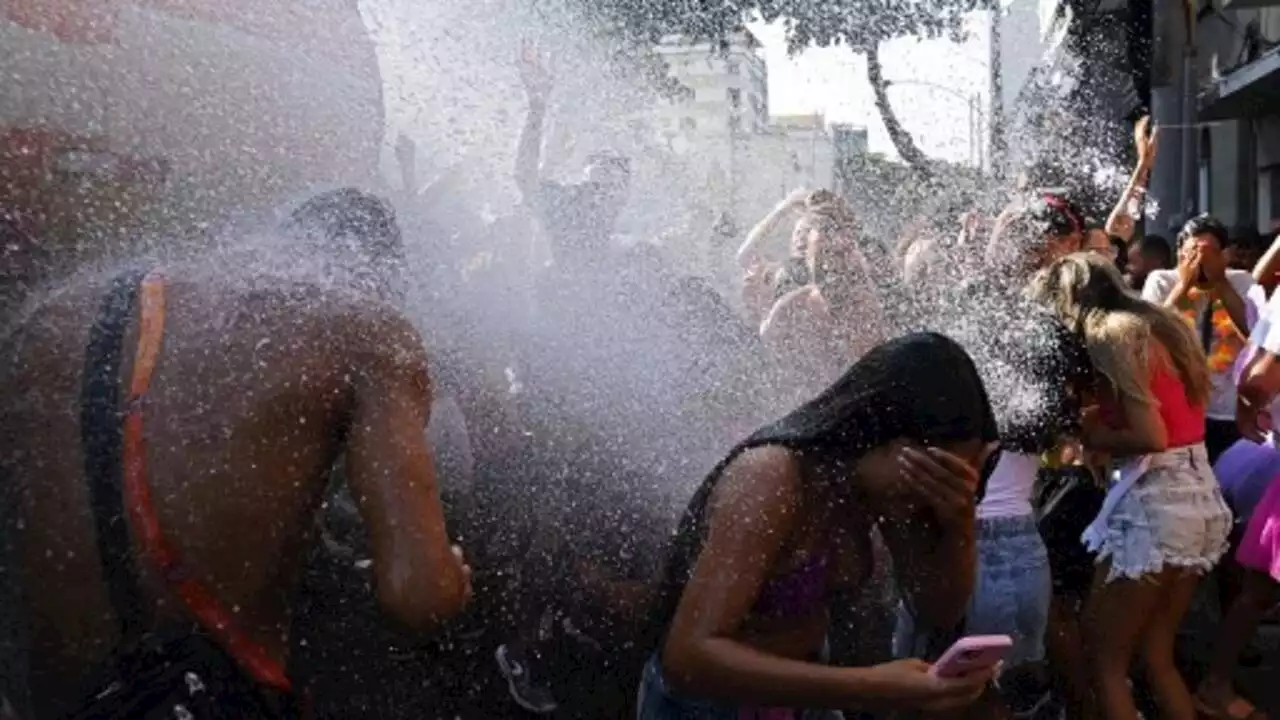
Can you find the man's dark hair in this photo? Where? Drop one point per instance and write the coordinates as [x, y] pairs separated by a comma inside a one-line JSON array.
[[350, 219], [1157, 247], [1205, 224]]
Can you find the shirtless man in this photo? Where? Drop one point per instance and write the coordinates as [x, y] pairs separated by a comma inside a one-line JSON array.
[[259, 387]]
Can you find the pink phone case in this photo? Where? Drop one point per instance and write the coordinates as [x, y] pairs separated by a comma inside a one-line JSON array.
[[972, 654]]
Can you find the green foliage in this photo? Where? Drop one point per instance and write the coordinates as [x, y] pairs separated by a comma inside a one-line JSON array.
[[858, 24]]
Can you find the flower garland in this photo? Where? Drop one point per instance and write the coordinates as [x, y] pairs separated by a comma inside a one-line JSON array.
[[1226, 343]]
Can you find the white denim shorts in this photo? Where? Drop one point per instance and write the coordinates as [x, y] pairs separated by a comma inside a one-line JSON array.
[[1173, 515]]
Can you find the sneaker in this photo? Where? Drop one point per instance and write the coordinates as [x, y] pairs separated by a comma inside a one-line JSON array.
[[524, 689]]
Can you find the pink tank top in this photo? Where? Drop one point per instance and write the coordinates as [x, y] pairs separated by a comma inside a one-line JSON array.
[[1182, 420]]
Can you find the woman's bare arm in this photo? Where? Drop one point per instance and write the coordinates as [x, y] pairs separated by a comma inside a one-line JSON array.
[[1121, 222], [1264, 273], [749, 254], [752, 514]]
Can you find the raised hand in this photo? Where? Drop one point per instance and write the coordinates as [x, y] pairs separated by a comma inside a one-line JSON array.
[[534, 72], [1144, 140]]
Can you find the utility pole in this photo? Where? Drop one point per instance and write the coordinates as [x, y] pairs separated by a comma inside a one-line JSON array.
[[995, 113], [973, 135]]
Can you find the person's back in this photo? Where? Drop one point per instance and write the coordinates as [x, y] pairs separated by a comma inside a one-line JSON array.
[[256, 392]]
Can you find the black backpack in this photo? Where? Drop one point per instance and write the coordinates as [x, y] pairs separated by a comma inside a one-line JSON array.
[[172, 670]]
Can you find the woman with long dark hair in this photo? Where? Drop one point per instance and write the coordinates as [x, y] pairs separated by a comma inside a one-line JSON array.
[[783, 526]]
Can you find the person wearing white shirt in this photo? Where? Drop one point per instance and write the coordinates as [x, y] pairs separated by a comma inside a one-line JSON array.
[[1214, 300]]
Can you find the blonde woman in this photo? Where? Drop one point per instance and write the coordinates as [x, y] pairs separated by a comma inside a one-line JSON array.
[[1164, 522]]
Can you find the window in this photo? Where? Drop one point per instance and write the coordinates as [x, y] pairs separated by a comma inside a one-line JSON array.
[[735, 98], [688, 123], [735, 123], [732, 67]]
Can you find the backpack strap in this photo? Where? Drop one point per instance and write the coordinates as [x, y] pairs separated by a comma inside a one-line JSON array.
[[213, 617], [101, 439]]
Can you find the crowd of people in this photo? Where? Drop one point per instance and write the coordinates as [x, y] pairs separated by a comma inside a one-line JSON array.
[[247, 493]]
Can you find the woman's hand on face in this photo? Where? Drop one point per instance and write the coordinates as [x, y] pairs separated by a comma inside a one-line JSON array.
[[948, 484], [908, 685]]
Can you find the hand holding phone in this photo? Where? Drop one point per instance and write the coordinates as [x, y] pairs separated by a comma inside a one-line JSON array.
[[972, 654]]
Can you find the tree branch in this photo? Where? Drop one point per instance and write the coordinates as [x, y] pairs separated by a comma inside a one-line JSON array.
[[902, 140]]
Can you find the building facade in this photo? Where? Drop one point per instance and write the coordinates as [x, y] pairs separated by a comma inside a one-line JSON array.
[[1209, 74], [721, 129]]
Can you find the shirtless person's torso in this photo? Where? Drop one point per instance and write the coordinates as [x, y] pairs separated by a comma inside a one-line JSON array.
[[255, 395]]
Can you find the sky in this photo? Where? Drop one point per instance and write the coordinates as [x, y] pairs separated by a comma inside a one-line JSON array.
[[833, 81]]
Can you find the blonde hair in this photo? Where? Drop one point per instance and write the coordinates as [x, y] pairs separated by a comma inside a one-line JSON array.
[[1089, 295]]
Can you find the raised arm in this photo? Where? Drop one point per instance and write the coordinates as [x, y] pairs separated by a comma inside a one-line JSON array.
[[1121, 222], [749, 253], [1264, 273], [420, 579], [537, 85]]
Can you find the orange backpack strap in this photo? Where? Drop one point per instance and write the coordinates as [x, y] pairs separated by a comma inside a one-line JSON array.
[[212, 615]]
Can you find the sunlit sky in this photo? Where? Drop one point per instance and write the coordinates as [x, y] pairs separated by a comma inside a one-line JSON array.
[[833, 81]]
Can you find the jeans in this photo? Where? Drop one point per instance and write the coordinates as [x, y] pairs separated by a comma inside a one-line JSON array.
[[1011, 595], [1173, 515]]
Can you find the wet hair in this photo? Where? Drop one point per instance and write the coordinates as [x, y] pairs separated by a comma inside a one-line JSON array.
[[1089, 295], [349, 220], [923, 387], [1059, 367], [1205, 224], [1055, 215], [1041, 366]]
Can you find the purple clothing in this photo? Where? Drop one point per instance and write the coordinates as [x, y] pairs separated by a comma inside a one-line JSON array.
[[799, 592], [1243, 472]]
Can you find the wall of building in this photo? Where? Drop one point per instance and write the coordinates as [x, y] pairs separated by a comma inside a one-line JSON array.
[[726, 92], [1238, 157]]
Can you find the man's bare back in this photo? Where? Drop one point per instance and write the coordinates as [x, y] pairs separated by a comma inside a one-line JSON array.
[[255, 396]]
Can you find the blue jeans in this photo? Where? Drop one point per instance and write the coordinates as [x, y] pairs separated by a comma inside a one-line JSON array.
[[658, 702], [1010, 596]]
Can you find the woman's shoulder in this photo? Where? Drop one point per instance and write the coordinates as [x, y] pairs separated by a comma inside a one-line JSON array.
[[763, 470]]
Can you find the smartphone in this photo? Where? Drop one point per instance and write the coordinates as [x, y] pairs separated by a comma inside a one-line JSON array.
[[972, 654]]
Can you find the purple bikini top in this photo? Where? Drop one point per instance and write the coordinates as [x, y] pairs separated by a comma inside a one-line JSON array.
[[799, 592]]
